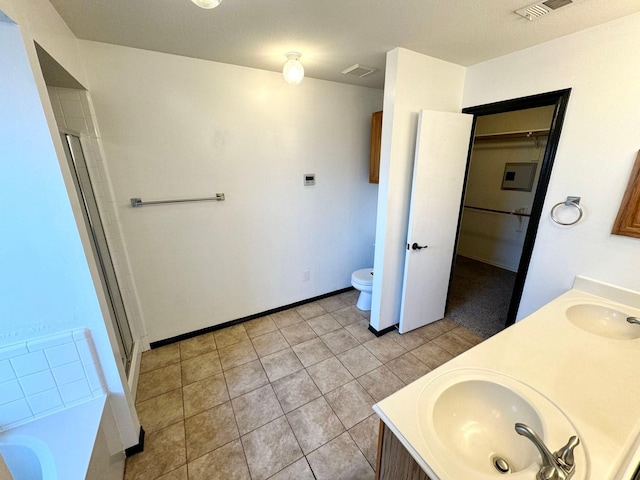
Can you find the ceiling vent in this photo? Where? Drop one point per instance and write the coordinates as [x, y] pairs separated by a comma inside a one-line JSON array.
[[542, 8], [358, 70]]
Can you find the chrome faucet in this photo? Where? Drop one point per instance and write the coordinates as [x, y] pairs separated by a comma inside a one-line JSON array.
[[555, 466], [635, 320]]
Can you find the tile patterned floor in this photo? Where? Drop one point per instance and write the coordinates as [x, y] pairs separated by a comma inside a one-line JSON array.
[[285, 396]]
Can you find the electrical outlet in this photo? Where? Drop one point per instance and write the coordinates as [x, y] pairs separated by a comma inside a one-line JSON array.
[[306, 275]]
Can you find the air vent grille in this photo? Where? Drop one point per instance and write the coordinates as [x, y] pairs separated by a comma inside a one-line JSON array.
[[358, 70], [539, 9], [533, 12]]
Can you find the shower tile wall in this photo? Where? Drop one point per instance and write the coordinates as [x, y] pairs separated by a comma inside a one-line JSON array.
[[47, 374], [74, 112]]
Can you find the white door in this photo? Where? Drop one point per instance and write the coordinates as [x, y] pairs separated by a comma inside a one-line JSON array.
[[442, 147]]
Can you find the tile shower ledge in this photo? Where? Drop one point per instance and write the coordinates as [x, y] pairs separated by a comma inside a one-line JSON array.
[[63, 441], [593, 380]]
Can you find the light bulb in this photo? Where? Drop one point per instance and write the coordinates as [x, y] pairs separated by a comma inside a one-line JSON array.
[[207, 3], [293, 71]]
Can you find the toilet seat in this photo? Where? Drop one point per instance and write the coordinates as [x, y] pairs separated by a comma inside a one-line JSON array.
[[363, 277]]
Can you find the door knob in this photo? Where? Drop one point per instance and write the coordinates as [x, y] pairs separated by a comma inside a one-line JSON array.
[[415, 246]]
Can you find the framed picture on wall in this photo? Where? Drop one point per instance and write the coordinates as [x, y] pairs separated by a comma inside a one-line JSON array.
[[519, 176]]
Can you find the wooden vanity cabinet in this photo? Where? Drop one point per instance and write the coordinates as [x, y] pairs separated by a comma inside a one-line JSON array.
[[394, 462], [374, 155]]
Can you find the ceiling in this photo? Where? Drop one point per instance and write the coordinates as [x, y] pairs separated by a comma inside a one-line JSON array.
[[331, 34]]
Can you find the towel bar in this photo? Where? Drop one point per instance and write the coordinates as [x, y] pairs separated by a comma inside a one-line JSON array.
[[137, 202]]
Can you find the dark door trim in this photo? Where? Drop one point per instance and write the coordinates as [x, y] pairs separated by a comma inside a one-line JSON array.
[[560, 99]]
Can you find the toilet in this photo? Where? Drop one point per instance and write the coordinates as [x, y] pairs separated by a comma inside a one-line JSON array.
[[363, 280]]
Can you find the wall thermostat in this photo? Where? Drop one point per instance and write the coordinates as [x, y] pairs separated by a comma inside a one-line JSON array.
[[309, 179]]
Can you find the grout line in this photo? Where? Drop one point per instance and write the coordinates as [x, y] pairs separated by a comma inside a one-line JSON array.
[[270, 383], [235, 419], [184, 423]]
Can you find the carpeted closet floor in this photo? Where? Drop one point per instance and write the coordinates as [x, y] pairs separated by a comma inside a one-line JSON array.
[[480, 296]]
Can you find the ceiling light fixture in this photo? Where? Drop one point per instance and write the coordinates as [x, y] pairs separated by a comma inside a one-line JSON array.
[[207, 3], [293, 71]]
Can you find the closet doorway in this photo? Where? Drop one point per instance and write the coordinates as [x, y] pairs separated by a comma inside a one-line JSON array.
[[508, 172]]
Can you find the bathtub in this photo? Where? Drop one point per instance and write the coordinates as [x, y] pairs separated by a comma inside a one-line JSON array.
[[66, 445]]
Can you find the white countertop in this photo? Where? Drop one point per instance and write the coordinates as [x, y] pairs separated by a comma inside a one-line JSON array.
[[595, 381]]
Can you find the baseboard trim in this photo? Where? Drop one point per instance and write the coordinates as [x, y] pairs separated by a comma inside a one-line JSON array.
[[195, 333], [488, 262], [136, 448], [383, 331]]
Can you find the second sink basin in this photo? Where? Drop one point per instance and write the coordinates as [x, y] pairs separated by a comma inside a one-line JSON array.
[[603, 320], [468, 417]]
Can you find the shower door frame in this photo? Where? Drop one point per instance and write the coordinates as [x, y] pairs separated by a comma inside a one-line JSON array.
[[100, 249]]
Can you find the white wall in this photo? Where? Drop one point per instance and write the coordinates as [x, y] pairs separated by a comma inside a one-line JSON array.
[[46, 280], [46, 283], [412, 82], [490, 237], [39, 21], [175, 127], [599, 143]]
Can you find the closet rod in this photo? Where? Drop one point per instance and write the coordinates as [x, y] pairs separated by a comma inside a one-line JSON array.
[[532, 134], [498, 211]]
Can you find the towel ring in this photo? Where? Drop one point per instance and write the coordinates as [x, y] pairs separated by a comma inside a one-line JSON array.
[[569, 202]]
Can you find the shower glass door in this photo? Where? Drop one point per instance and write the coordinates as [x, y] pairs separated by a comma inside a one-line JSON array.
[[99, 245]]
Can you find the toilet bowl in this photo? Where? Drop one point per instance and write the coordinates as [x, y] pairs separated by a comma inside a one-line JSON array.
[[363, 280]]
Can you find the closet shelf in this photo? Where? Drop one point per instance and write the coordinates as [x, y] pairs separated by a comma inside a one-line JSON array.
[[512, 135]]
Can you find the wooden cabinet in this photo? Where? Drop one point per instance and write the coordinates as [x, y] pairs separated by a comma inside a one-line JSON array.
[[628, 219], [394, 462], [376, 137]]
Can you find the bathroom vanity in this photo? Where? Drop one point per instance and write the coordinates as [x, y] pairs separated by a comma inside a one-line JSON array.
[[394, 461], [569, 369]]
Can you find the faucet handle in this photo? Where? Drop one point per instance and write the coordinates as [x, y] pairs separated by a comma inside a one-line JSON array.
[[565, 454], [547, 473]]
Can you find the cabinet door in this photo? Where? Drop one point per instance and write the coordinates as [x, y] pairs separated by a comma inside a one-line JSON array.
[[376, 138], [394, 462], [628, 219]]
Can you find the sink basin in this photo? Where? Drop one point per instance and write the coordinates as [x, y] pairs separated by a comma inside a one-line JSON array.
[[603, 320], [476, 418], [467, 420]]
